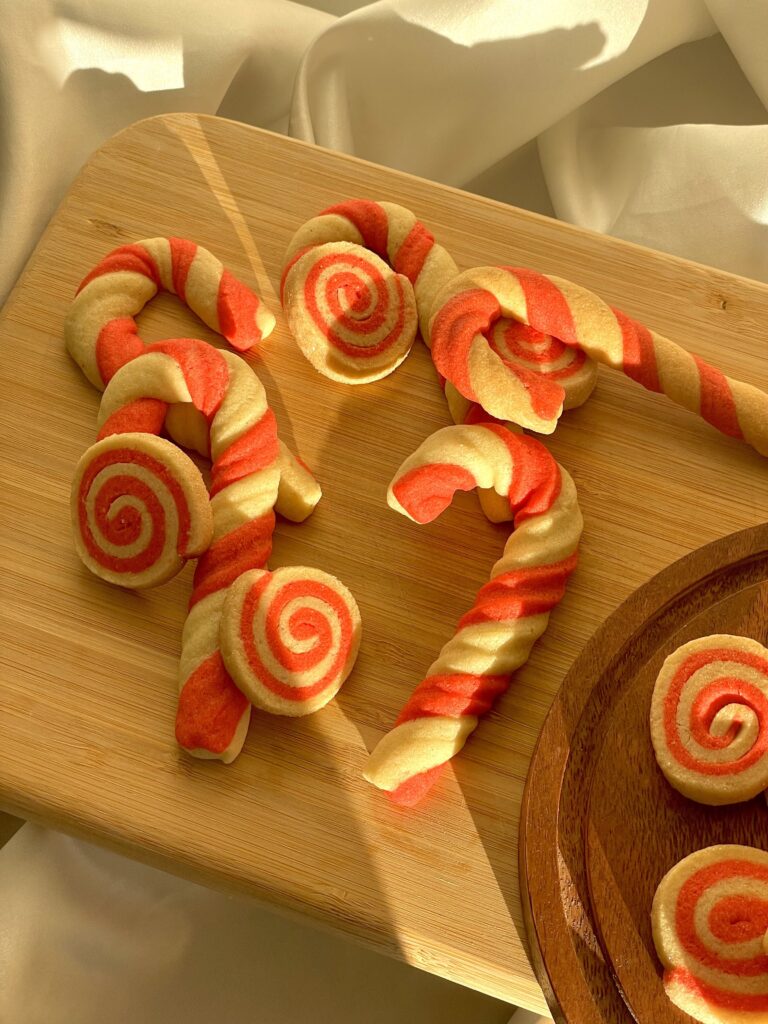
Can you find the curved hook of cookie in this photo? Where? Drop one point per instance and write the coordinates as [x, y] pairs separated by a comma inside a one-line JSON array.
[[100, 329], [510, 612], [467, 308]]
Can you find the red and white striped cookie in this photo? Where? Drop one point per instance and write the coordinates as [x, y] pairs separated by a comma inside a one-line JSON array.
[[139, 510], [100, 329], [521, 347], [709, 719], [510, 613], [290, 638], [251, 474], [710, 922], [391, 232], [353, 318], [470, 304]]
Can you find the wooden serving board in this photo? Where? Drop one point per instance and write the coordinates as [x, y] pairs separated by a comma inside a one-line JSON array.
[[601, 826], [88, 684]]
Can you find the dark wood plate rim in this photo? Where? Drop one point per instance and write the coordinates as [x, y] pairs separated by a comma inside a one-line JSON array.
[[548, 929]]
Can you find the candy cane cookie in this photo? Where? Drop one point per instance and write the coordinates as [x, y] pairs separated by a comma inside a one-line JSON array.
[[710, 921], [249, 470], [213, 713], [100, 329], [469, 305], [709, 719], [353, 318], [510, 612]]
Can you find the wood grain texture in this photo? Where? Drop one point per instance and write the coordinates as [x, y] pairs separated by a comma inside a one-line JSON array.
[[88, 679], [601, 825]]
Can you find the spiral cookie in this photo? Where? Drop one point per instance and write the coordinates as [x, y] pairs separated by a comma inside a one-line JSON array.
[[470, 304], [709, 719], [530, 351], [139, 510], [100, 329], [511, 611], [289, 638], [524, 350], [352, 317], [710, 920], [391, 232]]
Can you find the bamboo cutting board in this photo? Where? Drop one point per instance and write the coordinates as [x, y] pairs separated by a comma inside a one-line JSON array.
[[88, 682]]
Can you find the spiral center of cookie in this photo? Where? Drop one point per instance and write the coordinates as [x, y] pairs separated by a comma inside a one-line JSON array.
[[735, 919], [354, 298], [124, 524]]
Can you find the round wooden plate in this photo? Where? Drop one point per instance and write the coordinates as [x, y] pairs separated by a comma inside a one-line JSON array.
[[600, 824]]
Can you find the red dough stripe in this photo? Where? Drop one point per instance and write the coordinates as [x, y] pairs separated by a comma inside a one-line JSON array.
[[536, 479], [236, 309], [204, 368], [453, 696], [413, 252], [254, 450], [369, 218], [134, 258], [639, 354], [546, 307], [743, 1001], [426, 491], [183, 253], [210, 708], [453, 331], [117, 344], [247, 547], [144, 416], [413, 790], [520, 593], [717, 404]]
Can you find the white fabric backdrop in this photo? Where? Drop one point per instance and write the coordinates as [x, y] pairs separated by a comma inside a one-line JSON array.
[[645, 119]]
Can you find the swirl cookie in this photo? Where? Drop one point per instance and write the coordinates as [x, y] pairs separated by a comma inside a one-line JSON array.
[[510, 613], [710, 919], [394, 234], [709, 719], [289, 638], [353, 318], [139, 510]]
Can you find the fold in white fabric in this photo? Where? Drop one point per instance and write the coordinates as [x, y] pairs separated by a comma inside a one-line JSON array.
[[644, 119]]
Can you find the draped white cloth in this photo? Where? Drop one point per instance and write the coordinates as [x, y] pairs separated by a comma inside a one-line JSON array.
[[645, 119]]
